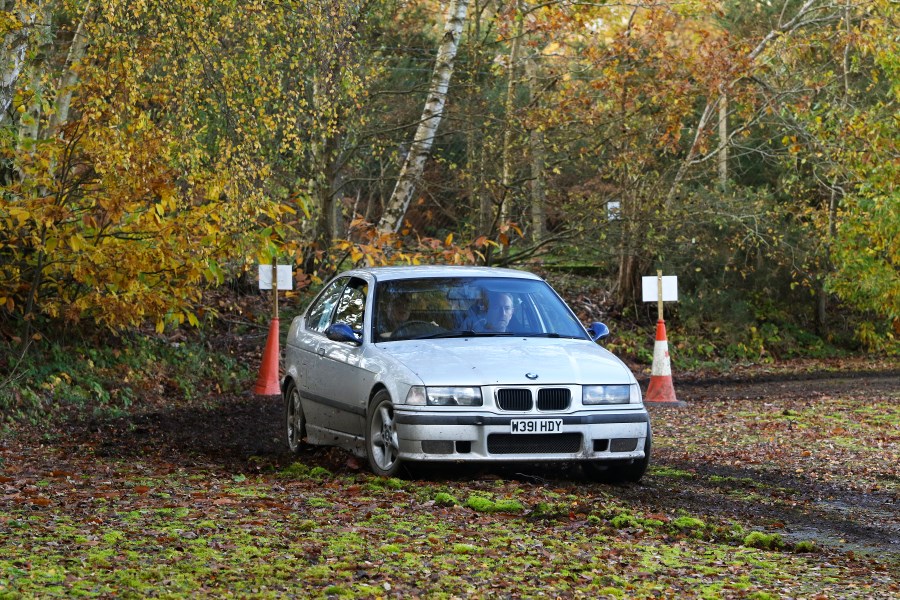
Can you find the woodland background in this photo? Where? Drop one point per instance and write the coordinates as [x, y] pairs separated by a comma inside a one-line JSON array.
[[151, 154]]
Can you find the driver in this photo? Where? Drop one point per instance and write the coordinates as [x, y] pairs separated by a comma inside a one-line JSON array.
[[394, 310], [499, 312]]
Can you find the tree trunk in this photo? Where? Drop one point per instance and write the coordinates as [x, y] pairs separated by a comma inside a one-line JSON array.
[[414, 164], [625, 285], [475, 186], [507, 174], [723, 142], [15, 43], [69, 76], [629, 247], [538, 186]]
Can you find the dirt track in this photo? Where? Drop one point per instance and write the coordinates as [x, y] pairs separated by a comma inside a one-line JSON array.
[[703, 461], [811, 495]]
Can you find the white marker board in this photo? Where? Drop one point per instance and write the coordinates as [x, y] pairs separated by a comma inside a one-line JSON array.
[[285, 278], [651, 288]]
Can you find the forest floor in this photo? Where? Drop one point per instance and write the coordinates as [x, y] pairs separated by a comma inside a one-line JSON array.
[[805, 456]]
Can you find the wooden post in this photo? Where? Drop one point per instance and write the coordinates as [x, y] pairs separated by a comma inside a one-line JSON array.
[[275, 286], [659, 294]]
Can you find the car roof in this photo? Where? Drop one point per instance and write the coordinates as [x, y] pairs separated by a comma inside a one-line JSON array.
[[422, 271]]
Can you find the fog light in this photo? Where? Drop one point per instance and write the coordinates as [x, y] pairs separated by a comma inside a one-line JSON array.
[[437, 447], [623, 445]]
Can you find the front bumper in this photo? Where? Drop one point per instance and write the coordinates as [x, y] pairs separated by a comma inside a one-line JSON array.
[[482, 436]]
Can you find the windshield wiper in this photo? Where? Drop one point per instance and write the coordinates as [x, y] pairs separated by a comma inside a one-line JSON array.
[[553, 335], [464, 333]]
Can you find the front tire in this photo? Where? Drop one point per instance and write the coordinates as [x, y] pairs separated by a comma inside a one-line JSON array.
[[295, 420], [382, 443]]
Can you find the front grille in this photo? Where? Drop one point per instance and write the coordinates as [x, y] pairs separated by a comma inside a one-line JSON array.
[[553, 399], [514, 399], [555, 443]]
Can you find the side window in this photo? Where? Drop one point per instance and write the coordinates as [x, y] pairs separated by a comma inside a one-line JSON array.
[[351, 308], [318, 317]]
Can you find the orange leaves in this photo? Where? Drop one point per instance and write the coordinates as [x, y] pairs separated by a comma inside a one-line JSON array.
[[367, 245]]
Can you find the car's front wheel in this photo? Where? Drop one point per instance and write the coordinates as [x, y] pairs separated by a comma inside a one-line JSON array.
[[382, 443], [295, 421]]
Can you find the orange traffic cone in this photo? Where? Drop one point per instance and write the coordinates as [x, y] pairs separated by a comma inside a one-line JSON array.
[[267, 382], [661, 389]]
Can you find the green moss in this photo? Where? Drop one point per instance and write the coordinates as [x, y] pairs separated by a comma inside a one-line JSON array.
[[319, 473], [688, 523], [336, 590], [671, 472], [465, 549], [508, 505], [296, 470], [624, 521], [480, 503], [763, 541], [445, 499], [504, 505], [112, 537]]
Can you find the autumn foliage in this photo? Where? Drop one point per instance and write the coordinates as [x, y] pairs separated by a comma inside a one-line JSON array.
[[150, 151]]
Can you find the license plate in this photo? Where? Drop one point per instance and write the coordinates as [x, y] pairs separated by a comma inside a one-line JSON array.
[[535, 426]]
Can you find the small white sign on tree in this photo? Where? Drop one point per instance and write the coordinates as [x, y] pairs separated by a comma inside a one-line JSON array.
[[614, 210]]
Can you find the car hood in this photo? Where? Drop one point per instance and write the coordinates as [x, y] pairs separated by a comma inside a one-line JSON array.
[[508, 361]]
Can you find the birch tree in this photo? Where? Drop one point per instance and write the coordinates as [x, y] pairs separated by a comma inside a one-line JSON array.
[[15, 23], [420, 149]]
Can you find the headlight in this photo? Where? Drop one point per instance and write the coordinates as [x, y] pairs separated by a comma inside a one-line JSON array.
[[444, 396], [610, 394]]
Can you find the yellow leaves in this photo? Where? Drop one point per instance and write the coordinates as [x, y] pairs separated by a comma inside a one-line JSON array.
[[21, 215], [77, 242], [790, 141]]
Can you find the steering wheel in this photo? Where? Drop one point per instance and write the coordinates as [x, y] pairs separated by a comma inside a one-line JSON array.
[[411, 328]]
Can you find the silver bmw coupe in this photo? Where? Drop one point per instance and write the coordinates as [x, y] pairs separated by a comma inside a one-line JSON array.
[[458, 364]]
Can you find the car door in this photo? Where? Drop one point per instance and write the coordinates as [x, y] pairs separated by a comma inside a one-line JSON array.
[[306, 354], [341, 374]]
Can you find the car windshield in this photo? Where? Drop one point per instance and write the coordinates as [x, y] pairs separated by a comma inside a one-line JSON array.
[[442, 307]]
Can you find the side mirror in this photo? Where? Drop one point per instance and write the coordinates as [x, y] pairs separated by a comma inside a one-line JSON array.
[[341, 332], [598, 331]]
